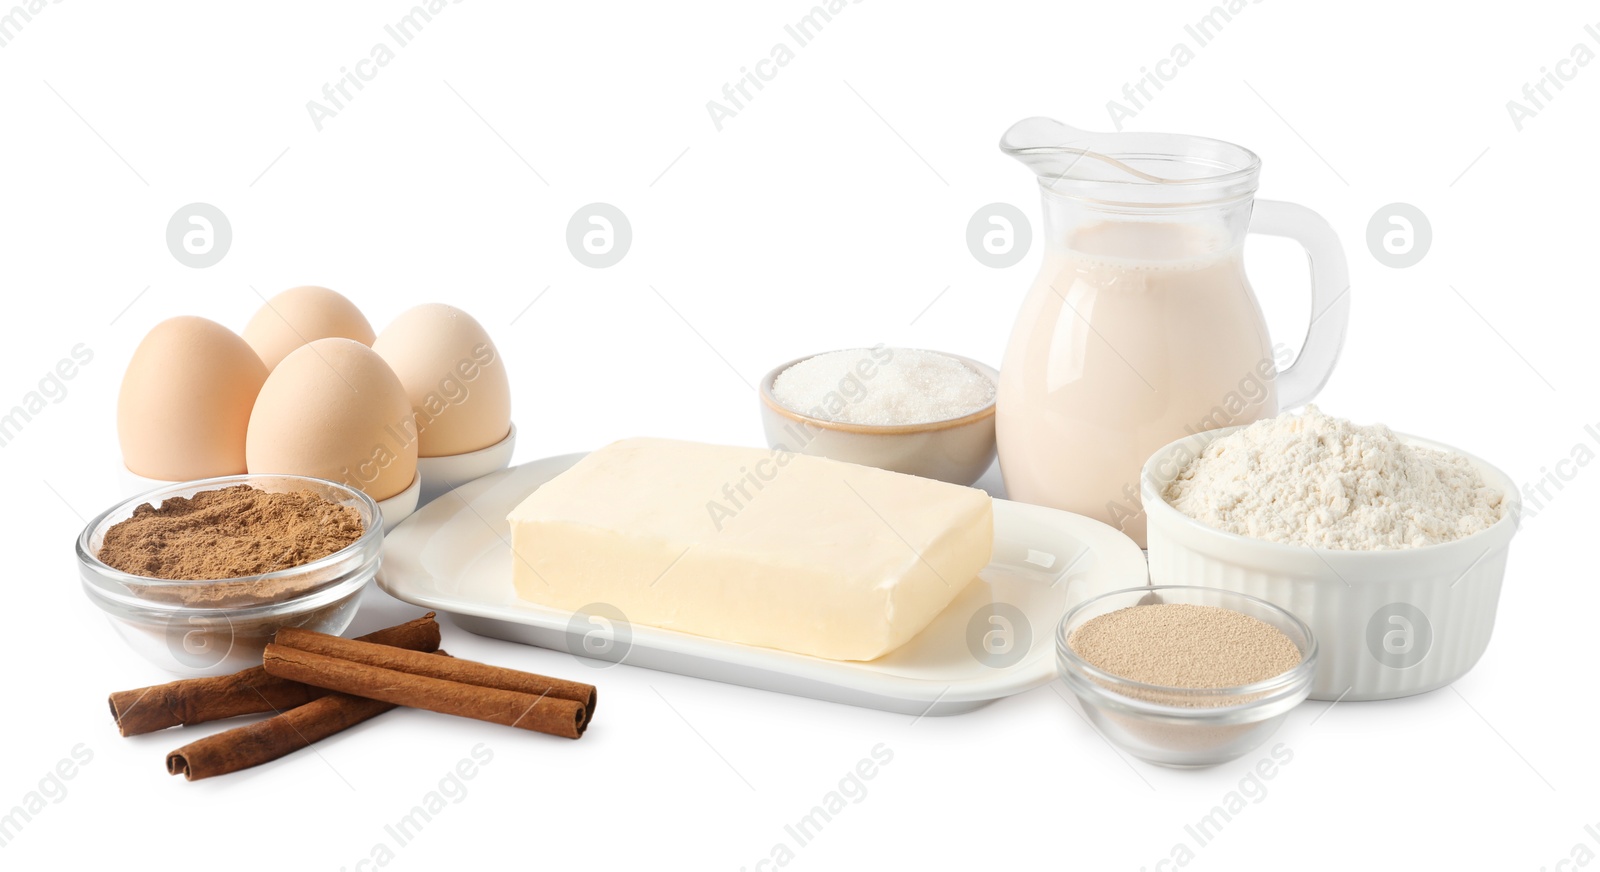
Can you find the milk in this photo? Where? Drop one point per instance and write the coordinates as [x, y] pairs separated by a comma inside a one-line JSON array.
[[1134, 334]]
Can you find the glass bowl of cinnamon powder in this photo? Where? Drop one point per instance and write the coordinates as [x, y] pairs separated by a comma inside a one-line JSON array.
[[198, 576], [1185, 676]]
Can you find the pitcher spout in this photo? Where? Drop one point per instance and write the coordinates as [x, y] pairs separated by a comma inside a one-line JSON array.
[[1150, 169]]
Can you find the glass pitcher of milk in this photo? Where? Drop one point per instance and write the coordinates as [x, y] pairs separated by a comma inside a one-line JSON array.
[[1141, 327]]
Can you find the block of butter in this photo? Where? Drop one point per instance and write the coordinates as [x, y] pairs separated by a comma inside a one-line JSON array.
[[749, 545]]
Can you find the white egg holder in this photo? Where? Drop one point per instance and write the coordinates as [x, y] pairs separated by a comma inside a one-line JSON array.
[[400, 506], [441, 475]]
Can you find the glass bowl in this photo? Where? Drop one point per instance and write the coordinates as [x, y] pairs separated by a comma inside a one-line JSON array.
[[1185, 727], [218, 627]]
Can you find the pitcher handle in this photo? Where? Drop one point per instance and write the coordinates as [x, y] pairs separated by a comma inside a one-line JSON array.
[[1330, 296]]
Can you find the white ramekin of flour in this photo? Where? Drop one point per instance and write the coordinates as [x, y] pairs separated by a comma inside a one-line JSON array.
[[1392, 621]]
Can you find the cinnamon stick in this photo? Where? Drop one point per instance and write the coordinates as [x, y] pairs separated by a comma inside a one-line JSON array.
[[252, 691], [448, 669], [272, 738], [275, 737], [535, 712]]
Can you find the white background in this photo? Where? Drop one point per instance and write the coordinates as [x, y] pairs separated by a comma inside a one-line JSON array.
[[830, 212]]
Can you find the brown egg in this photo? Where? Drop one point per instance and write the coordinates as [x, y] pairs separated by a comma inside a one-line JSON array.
[[185, 401], [333, 409], [454, 376], [301, 315]]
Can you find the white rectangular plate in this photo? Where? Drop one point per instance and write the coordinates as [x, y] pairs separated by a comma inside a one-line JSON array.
[[997, 637]]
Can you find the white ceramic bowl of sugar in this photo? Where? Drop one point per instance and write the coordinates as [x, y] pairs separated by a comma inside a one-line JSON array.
[[1391, 623], [956, 449]]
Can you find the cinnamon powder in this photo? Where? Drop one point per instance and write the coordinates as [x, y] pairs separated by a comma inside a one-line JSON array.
[[231, 532]]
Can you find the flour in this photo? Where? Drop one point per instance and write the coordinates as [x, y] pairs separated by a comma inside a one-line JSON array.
[[1310, 479]]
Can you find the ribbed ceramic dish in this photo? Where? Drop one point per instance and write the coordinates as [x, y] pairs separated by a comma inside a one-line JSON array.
[[1391, 623]]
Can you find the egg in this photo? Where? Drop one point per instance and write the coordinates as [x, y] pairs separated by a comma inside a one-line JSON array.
[[454, 377], [184, 405], [333, 409], [301, 315]]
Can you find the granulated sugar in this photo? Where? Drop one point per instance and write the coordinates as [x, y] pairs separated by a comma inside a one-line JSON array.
[[1311, 479], [883, 386], [1184, 645]]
